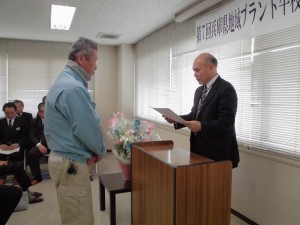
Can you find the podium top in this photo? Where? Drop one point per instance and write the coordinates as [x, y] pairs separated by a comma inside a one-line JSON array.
[[173, 156]]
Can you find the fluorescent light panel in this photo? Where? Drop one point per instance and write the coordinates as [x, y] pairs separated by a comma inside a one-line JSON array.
[[61, 17], [195, 10]]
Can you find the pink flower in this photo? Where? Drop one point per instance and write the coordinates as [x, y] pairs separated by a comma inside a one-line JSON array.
[[148, 124], [112, 122], [115, 120], [148, 131], [119, 115]]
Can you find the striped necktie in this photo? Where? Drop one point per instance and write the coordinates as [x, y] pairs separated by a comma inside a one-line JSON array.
[[9, 124], [203, 95]]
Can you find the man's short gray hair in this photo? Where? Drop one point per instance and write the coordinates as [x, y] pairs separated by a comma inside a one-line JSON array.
[[82, 45], [17, 101]]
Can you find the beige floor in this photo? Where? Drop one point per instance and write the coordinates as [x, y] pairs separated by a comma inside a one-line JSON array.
[[46, 213]]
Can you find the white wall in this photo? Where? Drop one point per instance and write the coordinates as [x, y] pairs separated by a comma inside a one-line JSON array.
[[114, 84], [266, 188], [126, 80], [106, 86]]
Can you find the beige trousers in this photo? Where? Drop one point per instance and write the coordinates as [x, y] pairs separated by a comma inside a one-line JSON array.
[[74, 192]]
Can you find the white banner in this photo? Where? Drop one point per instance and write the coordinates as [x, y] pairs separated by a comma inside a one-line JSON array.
[[245, 19]]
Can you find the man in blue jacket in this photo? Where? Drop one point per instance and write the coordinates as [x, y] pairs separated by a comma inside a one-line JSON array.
[[73, 134]]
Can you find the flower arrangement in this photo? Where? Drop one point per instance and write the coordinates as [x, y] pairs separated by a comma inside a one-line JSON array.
[[125, 132]]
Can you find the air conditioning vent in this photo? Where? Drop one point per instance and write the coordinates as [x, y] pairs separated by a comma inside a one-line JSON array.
[[107, 36]]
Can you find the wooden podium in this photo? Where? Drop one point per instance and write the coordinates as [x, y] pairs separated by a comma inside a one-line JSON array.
[[171, 186]]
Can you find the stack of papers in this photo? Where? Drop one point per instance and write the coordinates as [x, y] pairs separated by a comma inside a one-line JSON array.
[[7, 152]]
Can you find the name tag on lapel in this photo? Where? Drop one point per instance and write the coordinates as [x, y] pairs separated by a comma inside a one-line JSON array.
[[18, 128]]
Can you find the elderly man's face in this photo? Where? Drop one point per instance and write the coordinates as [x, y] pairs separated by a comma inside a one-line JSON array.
[[19, 108], [202, 70], [89, 65]]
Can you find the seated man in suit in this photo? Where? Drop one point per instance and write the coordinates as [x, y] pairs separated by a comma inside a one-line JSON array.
[[38, 143], [12, 134], [27, 117], [16, 169]]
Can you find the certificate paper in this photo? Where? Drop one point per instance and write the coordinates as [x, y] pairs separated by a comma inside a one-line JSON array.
[[169, 114], [7, 152]]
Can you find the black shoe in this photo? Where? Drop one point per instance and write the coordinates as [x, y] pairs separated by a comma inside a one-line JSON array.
[[36, 200], [32, 199], [35, 193]]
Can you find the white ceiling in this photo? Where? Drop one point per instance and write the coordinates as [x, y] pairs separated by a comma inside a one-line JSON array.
[[131, 19]]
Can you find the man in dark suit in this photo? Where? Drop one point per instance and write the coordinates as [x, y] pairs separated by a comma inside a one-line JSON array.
[[27, 117], [38, 143], [16, 169], [212, 117], [12, 134]]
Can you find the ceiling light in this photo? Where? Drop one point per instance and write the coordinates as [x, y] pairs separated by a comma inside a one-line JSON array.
[[195, 10], [61, 17]]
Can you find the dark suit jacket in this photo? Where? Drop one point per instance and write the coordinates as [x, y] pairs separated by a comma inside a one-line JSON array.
[[36, 133], [27, 117], [217, 139], [16, 135]]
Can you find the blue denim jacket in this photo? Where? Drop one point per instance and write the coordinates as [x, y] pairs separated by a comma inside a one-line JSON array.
[[71, 123]]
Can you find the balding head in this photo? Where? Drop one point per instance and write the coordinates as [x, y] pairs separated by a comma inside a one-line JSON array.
[[205, 67]]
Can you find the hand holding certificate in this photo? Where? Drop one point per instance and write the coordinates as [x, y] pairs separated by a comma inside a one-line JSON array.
[[168, 113]]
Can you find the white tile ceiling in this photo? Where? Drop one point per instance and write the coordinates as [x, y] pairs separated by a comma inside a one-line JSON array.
[[131, 19]]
